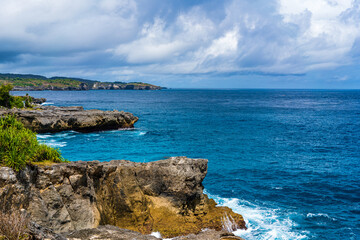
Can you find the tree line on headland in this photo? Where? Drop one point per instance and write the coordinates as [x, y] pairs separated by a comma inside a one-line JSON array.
[[29, 82]]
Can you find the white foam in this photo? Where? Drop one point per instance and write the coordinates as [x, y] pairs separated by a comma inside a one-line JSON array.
[[47, 103], [124, 129], [262, 223], [142, 133], [320, 215], [53, 143], [43, 136], [65, 135], [156, 234]]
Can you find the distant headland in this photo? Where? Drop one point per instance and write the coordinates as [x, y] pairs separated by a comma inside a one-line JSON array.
[[30, 82]]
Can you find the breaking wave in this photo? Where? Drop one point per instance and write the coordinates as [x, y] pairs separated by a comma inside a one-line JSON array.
[[262, 223]]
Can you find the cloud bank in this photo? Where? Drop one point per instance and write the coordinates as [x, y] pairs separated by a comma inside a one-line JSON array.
[[167, 40]]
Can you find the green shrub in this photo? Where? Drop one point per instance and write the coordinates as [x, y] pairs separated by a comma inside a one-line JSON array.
[[5, 97], [8, 101], [17, 101], [19, 146]]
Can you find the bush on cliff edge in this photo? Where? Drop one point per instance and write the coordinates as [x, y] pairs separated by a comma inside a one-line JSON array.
[[19, 146], [8, 101]]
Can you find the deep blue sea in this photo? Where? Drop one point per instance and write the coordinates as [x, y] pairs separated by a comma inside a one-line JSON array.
[[287, 160]]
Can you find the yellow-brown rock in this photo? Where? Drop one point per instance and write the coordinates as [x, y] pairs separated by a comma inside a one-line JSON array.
[[165, 196]]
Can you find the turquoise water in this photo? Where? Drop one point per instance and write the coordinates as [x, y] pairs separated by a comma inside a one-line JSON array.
[[288, 160]]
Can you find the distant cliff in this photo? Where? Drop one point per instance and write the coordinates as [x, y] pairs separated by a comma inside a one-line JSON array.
[[29, 82]]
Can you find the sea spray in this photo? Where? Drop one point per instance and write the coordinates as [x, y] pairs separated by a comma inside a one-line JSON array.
[[262, 223], [229, 224]]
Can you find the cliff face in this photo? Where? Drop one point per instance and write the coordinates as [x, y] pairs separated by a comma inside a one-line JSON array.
[[55, 119], [165, 196]]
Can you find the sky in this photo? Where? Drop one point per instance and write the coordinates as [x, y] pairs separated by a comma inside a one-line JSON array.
[[186, 44]]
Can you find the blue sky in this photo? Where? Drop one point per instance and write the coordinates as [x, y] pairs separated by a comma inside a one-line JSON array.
[[198, 44]]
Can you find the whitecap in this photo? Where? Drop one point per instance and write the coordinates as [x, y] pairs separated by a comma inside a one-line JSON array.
[[47, 103], [93, 135], [53, 143], [320, 215], [65, 135], [261, 222], [43, 136], [142, 133]]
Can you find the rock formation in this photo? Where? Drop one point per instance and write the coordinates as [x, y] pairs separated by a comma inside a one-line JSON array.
[[54, 119], [165, 196], [110, 232]]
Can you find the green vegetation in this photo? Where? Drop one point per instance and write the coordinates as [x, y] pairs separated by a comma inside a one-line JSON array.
[[8, 101], [37, 82], [19, 146], [34, 82]]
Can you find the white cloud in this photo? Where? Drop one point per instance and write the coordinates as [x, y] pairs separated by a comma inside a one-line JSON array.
[[122, 38], [158, 41], [225, 45], [43, 26]]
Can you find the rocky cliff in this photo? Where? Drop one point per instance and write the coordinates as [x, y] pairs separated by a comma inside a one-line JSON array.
[[164, 196], [55, 119]]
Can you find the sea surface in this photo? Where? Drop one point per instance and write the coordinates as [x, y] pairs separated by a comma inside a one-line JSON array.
[[287, 160]]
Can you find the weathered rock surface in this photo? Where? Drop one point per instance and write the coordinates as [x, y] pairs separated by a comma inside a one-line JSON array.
[[107, 232], [164, 196], [110, 232], [55, 119], [114, 233]]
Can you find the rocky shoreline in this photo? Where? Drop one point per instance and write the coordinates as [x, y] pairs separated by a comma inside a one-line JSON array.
[[50, 119], [77, 199]]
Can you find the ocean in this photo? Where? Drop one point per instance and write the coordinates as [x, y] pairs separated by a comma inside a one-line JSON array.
[[287, 160]]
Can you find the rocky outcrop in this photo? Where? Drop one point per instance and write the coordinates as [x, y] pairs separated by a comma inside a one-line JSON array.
[[38, 100], [164, 196], [107, 232], [110, 232], [55, 119]]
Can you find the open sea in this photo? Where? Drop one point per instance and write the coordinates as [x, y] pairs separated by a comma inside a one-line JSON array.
[[287, 160]]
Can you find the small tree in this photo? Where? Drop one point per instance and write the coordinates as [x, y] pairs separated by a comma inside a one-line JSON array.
[[5, 98], [8, 101]]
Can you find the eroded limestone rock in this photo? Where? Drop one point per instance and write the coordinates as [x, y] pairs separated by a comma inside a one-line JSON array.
[[164, 196], [56, 119]]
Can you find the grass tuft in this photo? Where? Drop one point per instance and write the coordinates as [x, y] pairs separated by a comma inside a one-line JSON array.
[[14, 226], [19, 146]]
